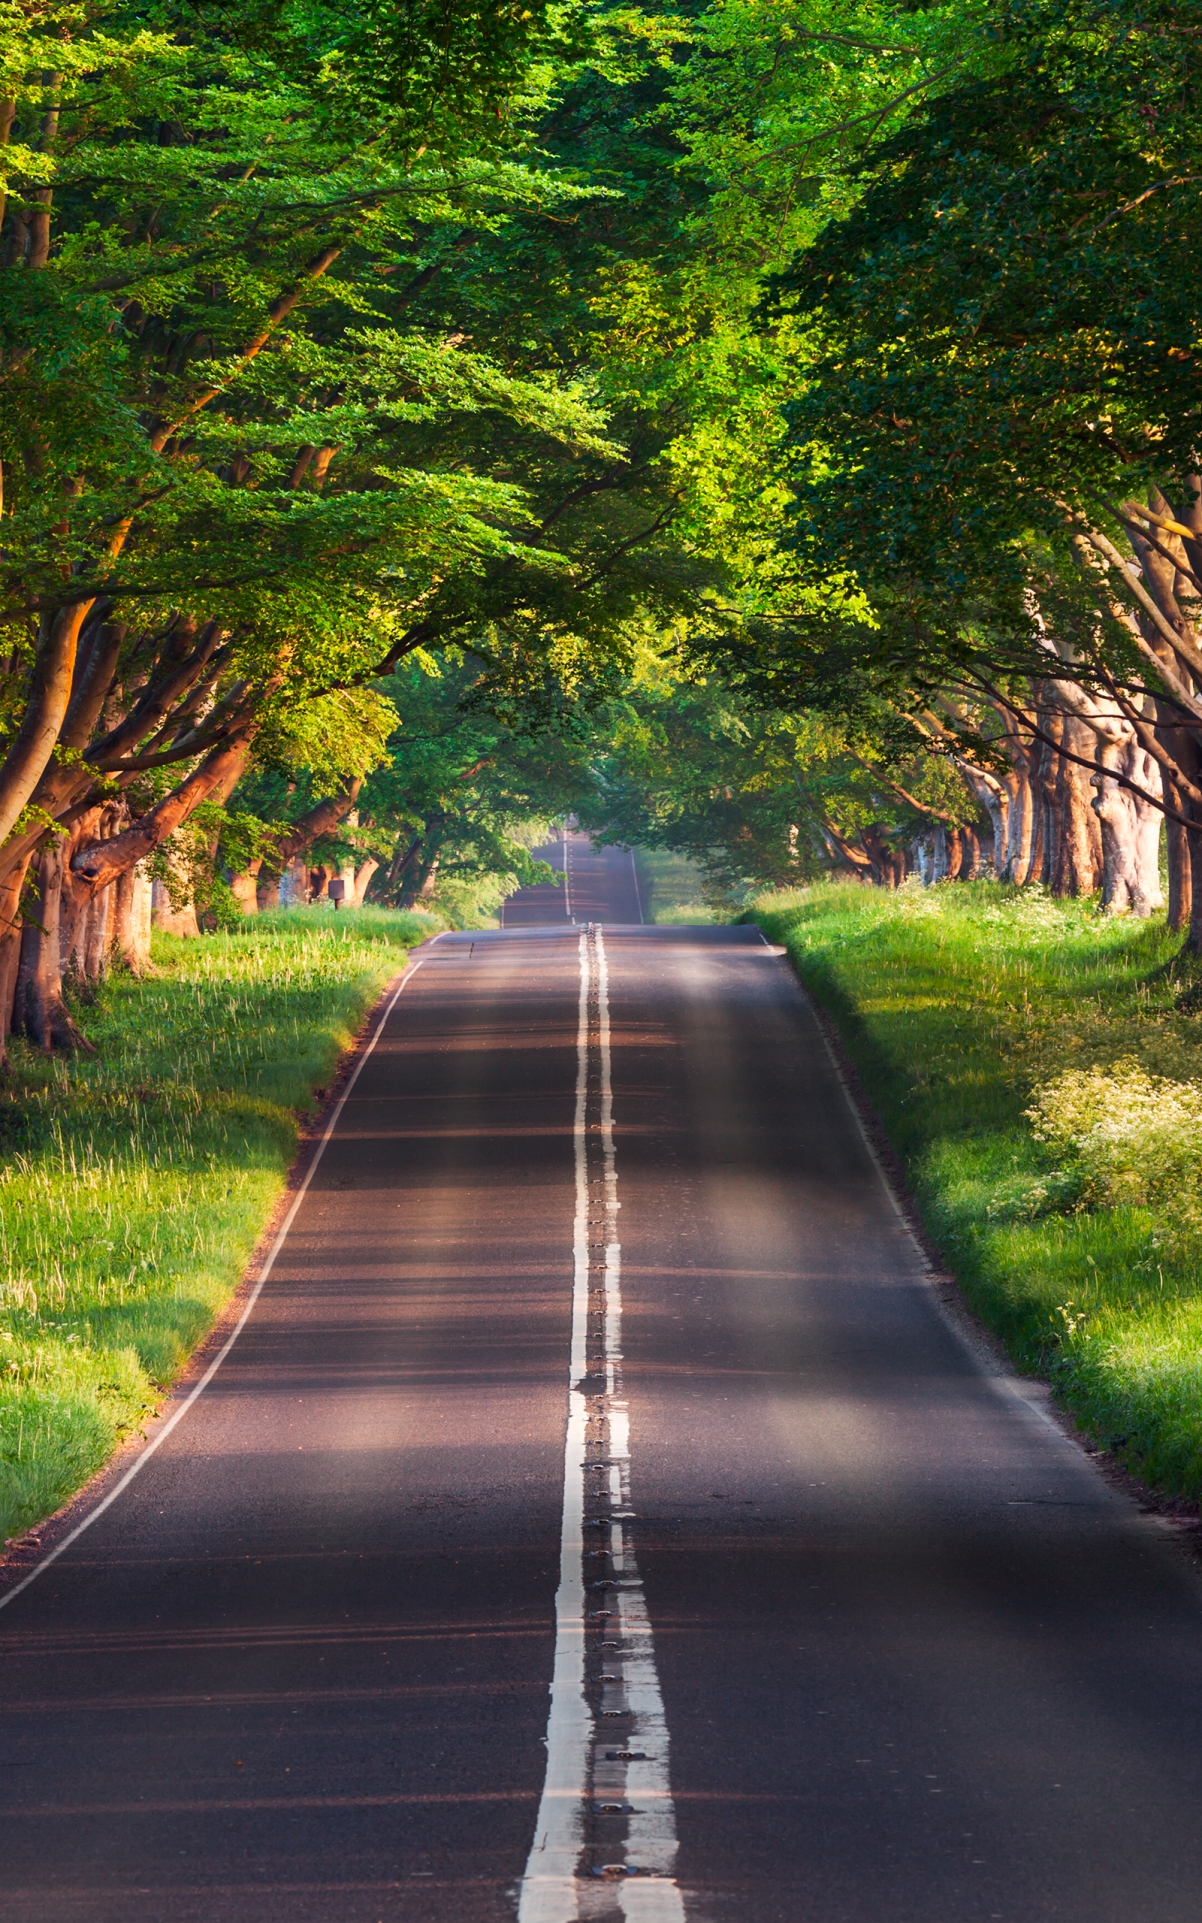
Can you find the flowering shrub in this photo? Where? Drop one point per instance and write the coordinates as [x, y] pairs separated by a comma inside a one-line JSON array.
[[1130, 1137]]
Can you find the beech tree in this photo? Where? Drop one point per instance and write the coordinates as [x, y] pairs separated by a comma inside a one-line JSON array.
[[760, 797], [448, 807], [997, 436], [278, 408]]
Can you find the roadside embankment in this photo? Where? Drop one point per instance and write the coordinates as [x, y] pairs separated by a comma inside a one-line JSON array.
[[134, 1183], [1038, 1068]]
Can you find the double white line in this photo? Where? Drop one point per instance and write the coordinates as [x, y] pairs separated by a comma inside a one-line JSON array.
[[607, 1738]]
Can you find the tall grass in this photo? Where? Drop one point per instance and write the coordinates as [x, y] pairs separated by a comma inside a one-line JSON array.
[[970, 1010], [134, 1183]]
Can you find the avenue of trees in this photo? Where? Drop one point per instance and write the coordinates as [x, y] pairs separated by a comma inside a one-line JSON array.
[[770, 428]]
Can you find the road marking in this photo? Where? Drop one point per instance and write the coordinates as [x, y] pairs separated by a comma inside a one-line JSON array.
[[549, 1891], [137, 1467], [650, 1832], [621, 1758]]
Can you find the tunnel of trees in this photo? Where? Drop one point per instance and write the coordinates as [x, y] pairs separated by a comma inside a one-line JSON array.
[[770, 430]]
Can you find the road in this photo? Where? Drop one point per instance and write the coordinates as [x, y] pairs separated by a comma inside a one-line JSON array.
[[597, 1355], [602, 885]]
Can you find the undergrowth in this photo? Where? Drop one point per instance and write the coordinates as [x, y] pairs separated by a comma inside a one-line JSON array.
[[134, 1183], [1036, 1065]]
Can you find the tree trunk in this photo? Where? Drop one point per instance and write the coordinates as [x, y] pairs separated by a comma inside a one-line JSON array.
[[96, 945], [363, 876], [10, 948], [1017, 866], [49, 692], [420, 877], [970, 865], [403, 860], [294, 884], [1194, 941], [1180, 888], [172, 920], [994, 799], [101, 861], [75, 900], [39, 1008], [889, 864], [245, 887], [1130, 832], [922, 851], [321, 819], [131, 921], [1076, 859]]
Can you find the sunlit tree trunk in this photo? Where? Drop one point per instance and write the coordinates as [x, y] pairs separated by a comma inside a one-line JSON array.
[[39, 1009], [174, 917], [1130, 830], [245, 887], [131, 921]]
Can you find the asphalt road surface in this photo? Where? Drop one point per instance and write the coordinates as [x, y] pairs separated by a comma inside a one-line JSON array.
[[597, 1356], [602, 885]]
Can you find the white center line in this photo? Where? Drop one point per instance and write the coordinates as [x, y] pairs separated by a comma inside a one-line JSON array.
[[549, 1887], [574, 1869], [650, 1830]]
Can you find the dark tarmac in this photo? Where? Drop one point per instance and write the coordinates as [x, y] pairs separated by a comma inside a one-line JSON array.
[[917, 1663], [602, 885]]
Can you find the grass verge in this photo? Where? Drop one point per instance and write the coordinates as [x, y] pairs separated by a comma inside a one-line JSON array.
[[962, 1007], [135, 1183], [670, 887]]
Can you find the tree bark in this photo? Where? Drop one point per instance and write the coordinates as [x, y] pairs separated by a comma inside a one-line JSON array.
[[1022, 803], [75, 900], [96, 944], [324, 816], [99, 862], [1130, 830], [1076, 858], [419, 881], [11, 888], [1180, 884], [171, 919], [131, 921], [39, 1007], [244, 887], [50, 691]]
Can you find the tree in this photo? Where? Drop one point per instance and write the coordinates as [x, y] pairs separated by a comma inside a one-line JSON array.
[[997, 434], [250, 459], [763, 798]]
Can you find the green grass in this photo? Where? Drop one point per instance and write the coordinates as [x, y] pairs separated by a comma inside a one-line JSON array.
[[670, 887], [956, 1003], [135, 1183]]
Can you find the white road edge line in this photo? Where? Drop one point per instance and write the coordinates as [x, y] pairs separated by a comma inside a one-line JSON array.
[[550, 1892], [137, 1467], [1004, 1382]]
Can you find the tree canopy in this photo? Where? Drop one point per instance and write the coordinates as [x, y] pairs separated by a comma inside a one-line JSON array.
[[846, 360]]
